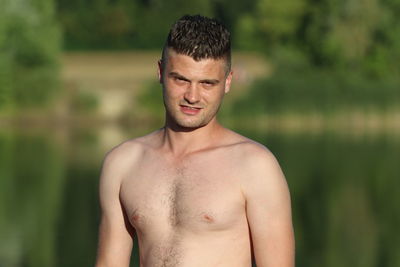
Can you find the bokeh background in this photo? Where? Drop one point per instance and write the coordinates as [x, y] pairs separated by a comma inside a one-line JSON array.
[[316, 81]]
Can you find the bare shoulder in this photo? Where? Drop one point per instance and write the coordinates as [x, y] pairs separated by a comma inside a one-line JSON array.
[[126, 156], [250, 151], [258, 166], [123, 154]]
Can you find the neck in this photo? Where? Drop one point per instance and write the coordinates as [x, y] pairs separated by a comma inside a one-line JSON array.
[[183, 141]]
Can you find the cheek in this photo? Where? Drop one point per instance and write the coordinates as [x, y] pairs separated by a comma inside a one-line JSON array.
[[213, 95], [173, 91]]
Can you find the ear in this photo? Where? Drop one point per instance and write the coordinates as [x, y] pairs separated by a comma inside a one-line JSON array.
[[160, 71], [228, 81]]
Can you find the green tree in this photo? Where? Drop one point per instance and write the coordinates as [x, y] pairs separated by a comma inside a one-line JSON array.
[[361, 34], [5, 61], [29, 48], [97, 24], [341, 32], [279, 20], [156, 17], [122, 24]]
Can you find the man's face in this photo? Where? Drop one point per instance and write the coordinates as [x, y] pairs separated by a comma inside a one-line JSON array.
[[193, 90]]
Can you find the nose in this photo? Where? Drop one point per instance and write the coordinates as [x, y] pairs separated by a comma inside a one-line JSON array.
[[192, 94]]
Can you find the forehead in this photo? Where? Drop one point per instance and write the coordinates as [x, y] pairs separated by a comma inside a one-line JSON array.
[[182, 63]]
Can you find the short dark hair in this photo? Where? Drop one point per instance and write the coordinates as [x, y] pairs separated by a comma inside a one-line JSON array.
[[200, 38]]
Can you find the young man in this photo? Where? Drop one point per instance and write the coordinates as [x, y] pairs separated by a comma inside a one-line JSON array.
[[194, 193]]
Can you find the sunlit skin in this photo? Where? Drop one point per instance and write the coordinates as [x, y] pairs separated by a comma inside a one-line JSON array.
[[194, 193], [192, 95]]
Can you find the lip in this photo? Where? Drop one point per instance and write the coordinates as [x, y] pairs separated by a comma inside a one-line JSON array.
[[190, 110]]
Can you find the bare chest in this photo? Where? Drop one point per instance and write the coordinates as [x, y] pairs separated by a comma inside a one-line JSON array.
[[196, 196]]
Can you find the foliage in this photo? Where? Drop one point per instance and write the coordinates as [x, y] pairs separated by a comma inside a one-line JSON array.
[[151, 102], [83, 102], [304, 89], [29, 48], [360, 34], [356, 34], [122, 24]]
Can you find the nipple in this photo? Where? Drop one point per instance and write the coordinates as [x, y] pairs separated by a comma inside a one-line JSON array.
[[208, 218], [135, 217]]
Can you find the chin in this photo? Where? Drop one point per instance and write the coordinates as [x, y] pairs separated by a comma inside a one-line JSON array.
[[190, 124], [186, 122]]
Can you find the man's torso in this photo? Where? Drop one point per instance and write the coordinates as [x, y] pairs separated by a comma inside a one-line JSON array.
[[191, 211]]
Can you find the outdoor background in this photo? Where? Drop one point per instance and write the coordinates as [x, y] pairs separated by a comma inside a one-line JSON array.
[[316, 81]]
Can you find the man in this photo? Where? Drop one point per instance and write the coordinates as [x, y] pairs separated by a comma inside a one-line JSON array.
[[194, 193]]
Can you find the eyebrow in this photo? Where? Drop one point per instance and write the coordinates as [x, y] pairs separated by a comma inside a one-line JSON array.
[[179, 76], [210, 81]]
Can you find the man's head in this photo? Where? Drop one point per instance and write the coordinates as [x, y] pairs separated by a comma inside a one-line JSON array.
[[195, 71]]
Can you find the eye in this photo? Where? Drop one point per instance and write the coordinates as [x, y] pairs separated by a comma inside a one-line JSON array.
[[208, 84], [180, 81]]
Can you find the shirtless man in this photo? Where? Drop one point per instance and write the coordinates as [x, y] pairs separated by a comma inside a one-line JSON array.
[[194, 193]]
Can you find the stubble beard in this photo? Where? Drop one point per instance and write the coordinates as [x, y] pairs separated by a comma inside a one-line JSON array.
[[176, 119]]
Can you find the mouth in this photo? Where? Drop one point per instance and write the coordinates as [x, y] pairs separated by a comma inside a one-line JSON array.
[[185, 106], [189, 110]]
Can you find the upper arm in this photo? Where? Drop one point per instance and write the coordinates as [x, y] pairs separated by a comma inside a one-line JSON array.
[[269, 212], [115, 232]]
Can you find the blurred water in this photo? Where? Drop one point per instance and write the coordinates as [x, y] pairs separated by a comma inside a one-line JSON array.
[[344, 193]]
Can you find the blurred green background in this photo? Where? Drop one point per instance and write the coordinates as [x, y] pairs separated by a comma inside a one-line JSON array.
[[316, 81]]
